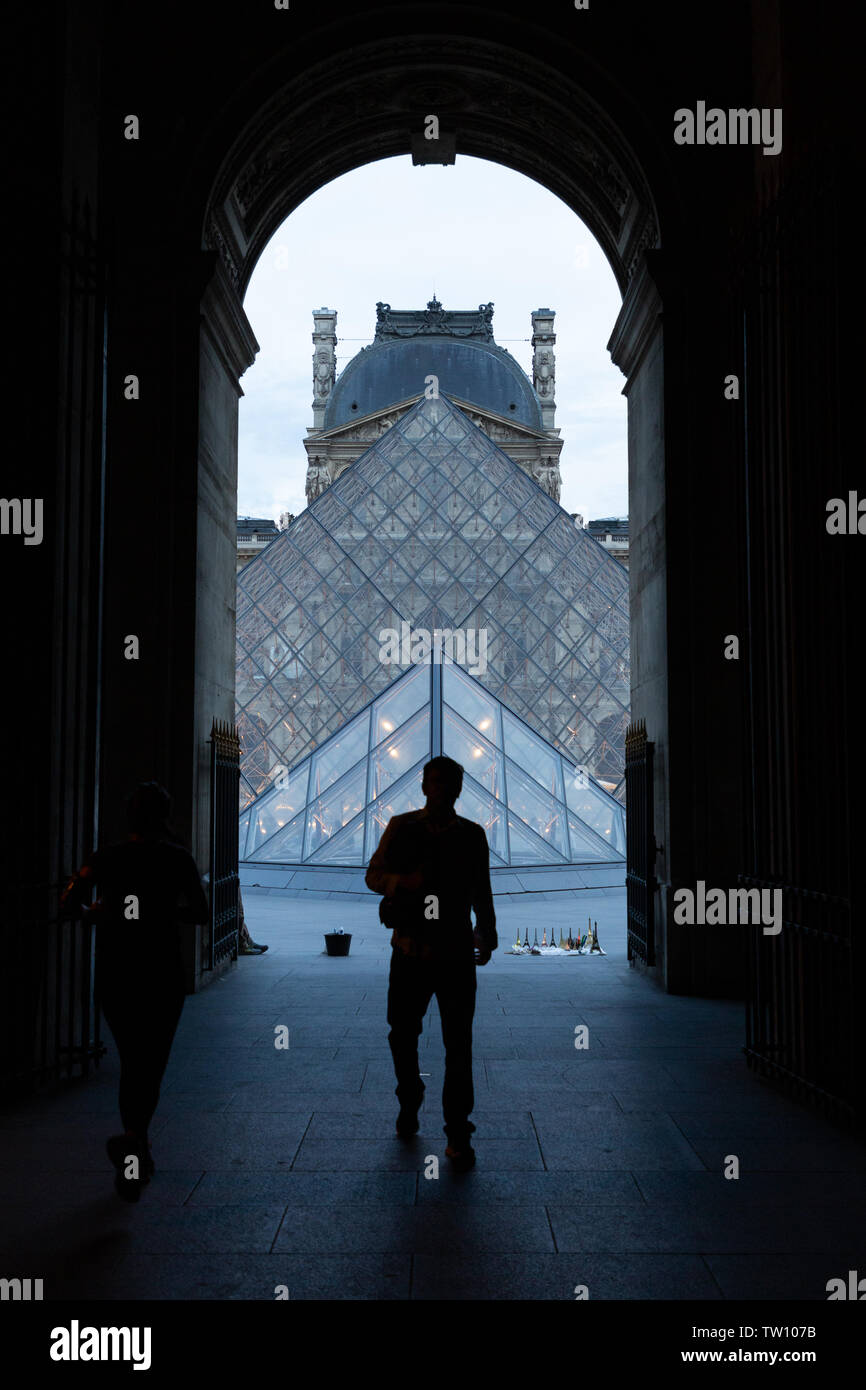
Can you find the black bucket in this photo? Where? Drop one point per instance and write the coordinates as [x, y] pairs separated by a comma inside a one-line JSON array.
[[337, 943]]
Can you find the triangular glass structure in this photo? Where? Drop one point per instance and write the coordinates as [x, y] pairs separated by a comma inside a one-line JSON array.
[[436, 527], [536, 806]]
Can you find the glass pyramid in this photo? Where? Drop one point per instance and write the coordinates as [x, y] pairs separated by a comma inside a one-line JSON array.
[[535, 805], [436, 527]]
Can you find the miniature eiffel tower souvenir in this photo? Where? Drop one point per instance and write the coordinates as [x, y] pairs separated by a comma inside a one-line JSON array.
[[596, 949]]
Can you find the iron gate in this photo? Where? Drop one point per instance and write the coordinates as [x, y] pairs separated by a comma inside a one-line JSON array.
[[640, 843], [224, 782]]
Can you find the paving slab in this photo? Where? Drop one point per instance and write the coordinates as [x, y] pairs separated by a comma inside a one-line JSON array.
[[602, 1166]]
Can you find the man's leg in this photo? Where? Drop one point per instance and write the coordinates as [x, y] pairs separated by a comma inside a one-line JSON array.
[[409, 990], [455, 992], [165, 1021], [143, 1030]]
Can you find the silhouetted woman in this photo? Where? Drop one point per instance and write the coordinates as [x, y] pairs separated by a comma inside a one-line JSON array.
[[147, 885]]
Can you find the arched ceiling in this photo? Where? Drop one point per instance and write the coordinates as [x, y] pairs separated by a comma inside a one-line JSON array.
[[363, 105]]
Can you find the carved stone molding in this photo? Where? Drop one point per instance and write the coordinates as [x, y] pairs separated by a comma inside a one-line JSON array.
[[222, 316], [361, 105], [445, 323], [636, 322]]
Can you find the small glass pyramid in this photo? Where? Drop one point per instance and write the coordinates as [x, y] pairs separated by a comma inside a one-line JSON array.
[[534, 805], [436, 527]]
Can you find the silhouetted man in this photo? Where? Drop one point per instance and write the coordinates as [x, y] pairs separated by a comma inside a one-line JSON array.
[[147, 885], [433, 866]]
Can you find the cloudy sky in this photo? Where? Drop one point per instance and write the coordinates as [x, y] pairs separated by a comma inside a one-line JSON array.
[[470, 232]]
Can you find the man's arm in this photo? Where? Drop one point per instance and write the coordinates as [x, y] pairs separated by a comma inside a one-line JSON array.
[[482, 895], [79, 887], [380, 876]]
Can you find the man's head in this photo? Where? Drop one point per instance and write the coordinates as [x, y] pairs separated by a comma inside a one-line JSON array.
[[442, 783], [148, 809]]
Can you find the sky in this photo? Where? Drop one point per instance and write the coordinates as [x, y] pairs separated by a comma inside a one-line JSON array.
[[470, 233]]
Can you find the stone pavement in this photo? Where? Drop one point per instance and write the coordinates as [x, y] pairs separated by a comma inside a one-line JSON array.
[[601, 1167]]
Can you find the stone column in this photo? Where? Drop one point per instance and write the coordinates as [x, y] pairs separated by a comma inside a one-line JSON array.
[[544, 363], [637, 347], [324, 361], [227, 346]]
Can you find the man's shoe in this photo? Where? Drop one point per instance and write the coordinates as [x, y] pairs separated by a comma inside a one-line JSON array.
[[251, 949], [257, 946], [462, 1159], [119, 1147], [407, 1120], [130, 1189], [407, 1123]]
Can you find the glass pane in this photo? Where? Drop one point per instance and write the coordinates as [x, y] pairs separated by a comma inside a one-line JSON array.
[[401, 750], [285, 847], [329, 813], [500, 556], [540, 812], [476, 804], [278, 806], [400, 702], [242, 834], [400, 797], [249, 680], [534, 755], [472, 702], [347, 847], [341, 753], [474, 753], [590, 805], [585, 846], [527, 848]]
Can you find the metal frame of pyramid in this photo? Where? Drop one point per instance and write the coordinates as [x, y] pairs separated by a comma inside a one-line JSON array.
[[436, 527], [536, 807]]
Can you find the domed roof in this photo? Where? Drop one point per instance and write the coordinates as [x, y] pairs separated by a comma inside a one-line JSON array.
[[455, 346]]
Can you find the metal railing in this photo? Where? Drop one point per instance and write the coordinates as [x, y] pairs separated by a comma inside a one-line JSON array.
[[51, 1020]]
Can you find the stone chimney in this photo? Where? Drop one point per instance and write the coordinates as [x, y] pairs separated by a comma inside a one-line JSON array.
[[544, 363], [324, 361]]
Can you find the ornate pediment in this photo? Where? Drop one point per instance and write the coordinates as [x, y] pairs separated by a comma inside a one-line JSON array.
[[370, 427], [444, 323]]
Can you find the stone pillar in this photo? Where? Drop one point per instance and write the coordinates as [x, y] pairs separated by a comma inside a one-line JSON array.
[[324, 361], [637, 347], [227, 347], [544, 363]]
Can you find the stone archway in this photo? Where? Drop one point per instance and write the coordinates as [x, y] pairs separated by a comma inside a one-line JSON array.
[[498, 104], [495, 102]]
